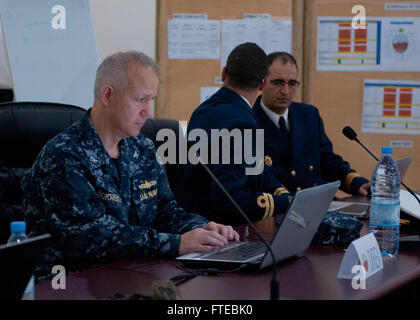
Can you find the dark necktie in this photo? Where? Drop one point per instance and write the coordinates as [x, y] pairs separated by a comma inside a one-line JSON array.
[[283, 128]]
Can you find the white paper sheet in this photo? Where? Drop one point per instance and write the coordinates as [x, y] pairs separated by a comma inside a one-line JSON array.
[[269, 35], [5, 76], [207, 92], [193, 39], [409, 204]]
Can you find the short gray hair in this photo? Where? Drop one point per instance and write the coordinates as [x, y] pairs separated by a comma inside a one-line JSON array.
[[114, 70]]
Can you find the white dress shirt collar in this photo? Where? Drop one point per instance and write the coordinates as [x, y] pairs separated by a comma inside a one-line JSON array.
[[247, 102], [275, 116]]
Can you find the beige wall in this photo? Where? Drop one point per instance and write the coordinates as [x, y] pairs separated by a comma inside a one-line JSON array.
[[124, 25]]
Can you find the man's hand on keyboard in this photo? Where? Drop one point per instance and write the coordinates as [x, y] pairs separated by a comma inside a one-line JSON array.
[[203, 239], [226, 231]]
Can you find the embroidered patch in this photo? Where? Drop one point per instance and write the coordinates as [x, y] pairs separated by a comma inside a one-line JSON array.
[[149, 194], [147, 184], [110, 197]]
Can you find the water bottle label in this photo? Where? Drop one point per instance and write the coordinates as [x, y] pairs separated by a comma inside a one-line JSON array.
[[385, 215]]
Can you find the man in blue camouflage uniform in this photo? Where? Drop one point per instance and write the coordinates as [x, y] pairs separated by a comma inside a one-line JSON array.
[[99, 189]]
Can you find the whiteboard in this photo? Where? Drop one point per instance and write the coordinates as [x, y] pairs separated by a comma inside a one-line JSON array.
[[47, 64]]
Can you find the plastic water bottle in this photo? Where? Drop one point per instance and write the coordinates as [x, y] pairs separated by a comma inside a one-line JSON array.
[[18, 230], [385, 204]]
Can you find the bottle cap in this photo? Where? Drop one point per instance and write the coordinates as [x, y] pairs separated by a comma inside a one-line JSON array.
[[386, 150], [18, 226]]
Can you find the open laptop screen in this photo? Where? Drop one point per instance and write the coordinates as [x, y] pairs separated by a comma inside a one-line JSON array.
[[360, 209]]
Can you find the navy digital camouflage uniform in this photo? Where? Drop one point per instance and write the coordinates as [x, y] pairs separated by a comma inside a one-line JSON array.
[[95, 212]]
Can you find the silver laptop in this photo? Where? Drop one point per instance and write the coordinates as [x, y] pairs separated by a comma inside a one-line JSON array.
[[294, 235], [360, 210]]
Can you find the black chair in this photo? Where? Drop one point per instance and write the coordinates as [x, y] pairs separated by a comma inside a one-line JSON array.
[[25, 127], [150, 130]]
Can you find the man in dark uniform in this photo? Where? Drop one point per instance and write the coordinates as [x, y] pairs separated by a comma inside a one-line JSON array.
[[259, 195], [99, 188], [297, 149]]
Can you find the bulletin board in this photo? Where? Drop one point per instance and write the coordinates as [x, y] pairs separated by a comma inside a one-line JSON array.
[[181, 79], [339, 94]]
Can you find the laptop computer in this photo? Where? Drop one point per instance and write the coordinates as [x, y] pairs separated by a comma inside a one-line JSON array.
[[18, 262], [294, 235], [360, 210], [403, 165]]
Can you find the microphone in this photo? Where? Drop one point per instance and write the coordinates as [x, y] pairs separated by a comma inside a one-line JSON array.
[[274, 290], [352, 135]]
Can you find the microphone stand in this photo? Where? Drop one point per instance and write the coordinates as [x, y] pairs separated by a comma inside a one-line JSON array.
[[274, 289], [358, 141]]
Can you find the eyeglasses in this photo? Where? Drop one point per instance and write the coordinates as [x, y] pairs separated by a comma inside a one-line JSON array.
[[281, 83]]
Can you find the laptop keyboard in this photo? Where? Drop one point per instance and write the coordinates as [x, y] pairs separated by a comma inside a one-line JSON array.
[[242, 252], [355, 208]]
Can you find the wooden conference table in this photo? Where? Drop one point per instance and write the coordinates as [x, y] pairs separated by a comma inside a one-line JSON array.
[[311, 276]]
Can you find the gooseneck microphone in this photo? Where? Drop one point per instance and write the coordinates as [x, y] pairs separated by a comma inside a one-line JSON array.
[[352, 135], [274, 290]]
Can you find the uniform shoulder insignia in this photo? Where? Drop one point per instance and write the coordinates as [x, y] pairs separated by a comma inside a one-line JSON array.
[[268, 161]]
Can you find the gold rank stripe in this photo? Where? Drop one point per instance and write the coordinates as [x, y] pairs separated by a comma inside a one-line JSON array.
[[266, 201], [262, 202], [280, 191], [349, 179], [271, 199]]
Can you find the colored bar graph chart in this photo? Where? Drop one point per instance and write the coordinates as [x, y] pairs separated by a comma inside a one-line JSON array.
[[342, 47], [406, 100], [391, 106], [385, 44], [390, 100]]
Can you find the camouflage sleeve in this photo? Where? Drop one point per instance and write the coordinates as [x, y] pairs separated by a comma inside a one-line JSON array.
[[80, 223], [171, 217]]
